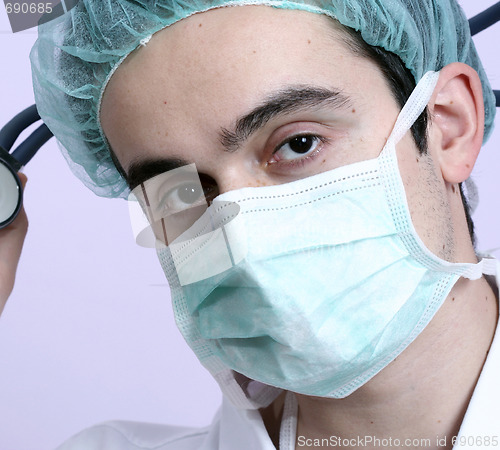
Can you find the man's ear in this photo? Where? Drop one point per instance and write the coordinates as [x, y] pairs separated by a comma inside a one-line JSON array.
[[457, 121]]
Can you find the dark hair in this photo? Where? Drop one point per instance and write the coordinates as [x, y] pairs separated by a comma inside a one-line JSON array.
[[402, 84]]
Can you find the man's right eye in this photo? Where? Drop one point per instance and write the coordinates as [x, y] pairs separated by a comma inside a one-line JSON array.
[[184, 196]]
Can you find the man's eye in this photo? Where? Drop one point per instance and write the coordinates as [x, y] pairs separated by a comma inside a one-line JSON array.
[[184, 196], [188, 195], [297, 147]]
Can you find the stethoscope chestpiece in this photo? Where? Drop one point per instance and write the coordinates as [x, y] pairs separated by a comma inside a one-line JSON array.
[[11, 191]]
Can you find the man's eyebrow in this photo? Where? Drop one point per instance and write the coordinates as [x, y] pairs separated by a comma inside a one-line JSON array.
[[286, 101], [142, 170]]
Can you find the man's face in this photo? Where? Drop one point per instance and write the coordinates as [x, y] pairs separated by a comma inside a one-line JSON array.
[[257, 96]]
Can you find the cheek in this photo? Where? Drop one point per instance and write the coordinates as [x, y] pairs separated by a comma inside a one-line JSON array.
[[427, 199]]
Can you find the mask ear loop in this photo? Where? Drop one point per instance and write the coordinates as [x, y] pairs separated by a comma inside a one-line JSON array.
[[409, 114], [414, 106]]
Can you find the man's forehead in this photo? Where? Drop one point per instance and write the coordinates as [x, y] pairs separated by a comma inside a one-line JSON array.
[[238, 28], [231, 44]]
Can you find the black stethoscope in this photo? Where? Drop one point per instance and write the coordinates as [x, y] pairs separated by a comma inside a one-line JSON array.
[[11, 191]]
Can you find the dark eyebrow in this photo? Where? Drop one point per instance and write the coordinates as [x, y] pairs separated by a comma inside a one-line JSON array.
[[286, 101], [143, 170]]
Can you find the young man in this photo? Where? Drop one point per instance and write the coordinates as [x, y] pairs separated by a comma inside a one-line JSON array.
[[332, 256]]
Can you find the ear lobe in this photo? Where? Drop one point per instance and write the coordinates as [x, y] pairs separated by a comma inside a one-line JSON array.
[[457, 121]]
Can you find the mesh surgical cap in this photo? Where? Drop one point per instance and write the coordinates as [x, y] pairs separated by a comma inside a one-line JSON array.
[[76, 54]]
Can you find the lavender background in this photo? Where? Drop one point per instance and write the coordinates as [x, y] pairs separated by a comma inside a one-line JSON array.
[[88, 333]]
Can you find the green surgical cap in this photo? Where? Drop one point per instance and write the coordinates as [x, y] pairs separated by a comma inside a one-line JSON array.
[[76, 54]]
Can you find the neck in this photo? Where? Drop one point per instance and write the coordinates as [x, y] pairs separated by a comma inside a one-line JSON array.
[[424, 393]]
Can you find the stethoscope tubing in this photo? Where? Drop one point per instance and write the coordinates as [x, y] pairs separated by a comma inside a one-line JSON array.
[[27, 149], [485, 19]]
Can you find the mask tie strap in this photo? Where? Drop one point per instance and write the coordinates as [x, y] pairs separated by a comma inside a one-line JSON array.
[[487, 266], [288, 428], [414, 106]]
